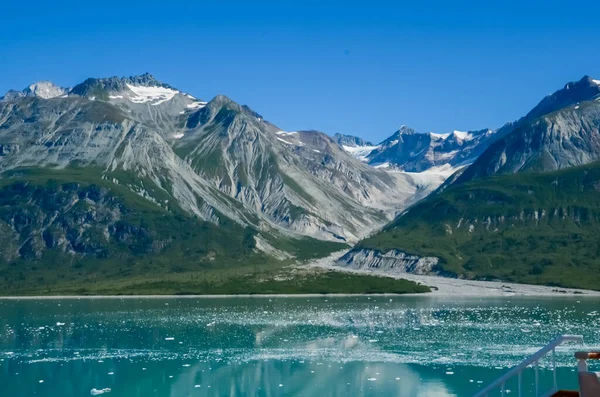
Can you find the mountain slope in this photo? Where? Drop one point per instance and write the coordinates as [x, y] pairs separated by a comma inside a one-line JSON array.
[[566, 136], [501, 217], [216, 161], [301, 181], [531, 227]]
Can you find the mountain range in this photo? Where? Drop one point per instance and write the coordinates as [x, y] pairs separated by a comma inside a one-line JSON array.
[[526, 210], [121, 178]]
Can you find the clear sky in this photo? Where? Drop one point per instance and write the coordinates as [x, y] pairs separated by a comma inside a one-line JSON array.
[[362, 68]]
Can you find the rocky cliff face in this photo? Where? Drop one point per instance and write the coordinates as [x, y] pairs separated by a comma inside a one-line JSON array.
[[218, 161], [565, 137], [393, 261], [302, 180]]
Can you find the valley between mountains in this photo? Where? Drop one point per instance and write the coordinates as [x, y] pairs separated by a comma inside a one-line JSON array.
[[132, 186]]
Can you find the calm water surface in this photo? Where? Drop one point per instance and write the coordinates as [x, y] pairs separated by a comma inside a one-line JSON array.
[[346, 346]]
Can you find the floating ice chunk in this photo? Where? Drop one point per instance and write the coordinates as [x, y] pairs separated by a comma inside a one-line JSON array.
[[196, 386], [185, 365], [41, 381], [178, 136], [59, 324], [449, 373], [95, 392], [280, 385], [211, 324], [111, 373], [371, 379], [169, 338], [41, 328]]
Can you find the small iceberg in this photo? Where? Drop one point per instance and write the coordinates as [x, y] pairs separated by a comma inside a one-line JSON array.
[[95, 392]]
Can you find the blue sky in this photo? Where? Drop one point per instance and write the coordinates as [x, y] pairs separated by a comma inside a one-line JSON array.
[[361, 68]]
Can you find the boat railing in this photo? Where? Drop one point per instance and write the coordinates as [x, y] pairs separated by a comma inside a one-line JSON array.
[[532, 360]]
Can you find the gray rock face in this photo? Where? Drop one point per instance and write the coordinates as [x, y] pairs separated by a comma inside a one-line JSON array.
[[394, 261], [562, 138], [350, 140], [302, 180], [218, 161], [41, 89]]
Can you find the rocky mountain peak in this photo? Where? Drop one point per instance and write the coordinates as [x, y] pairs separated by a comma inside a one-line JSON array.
[[574, 92], [44, 90], [41, 89], [350, 140]]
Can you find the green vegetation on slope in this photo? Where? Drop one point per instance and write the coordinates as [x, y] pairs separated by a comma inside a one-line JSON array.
[[530, 228], [70, 232], [260, 279]]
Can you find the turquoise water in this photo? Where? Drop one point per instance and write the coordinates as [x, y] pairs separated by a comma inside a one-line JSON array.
[[345, 346]]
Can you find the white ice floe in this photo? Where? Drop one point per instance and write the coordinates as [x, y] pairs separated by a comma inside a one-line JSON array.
[[115, 96], [95, 392], [169, 338], [178, 136], [155, 95], [59, 324]]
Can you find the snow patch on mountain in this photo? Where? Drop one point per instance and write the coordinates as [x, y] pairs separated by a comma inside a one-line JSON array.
[[439, 136], [464, 136], [154, 94], [360, 152], [196, 105]]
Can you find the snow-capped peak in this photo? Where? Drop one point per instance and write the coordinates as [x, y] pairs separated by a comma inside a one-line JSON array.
[[463, 136], [597, 82], [439, 136]]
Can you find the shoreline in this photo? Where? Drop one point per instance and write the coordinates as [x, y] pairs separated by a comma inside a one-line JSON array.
[[441, 287], [456, 287]]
